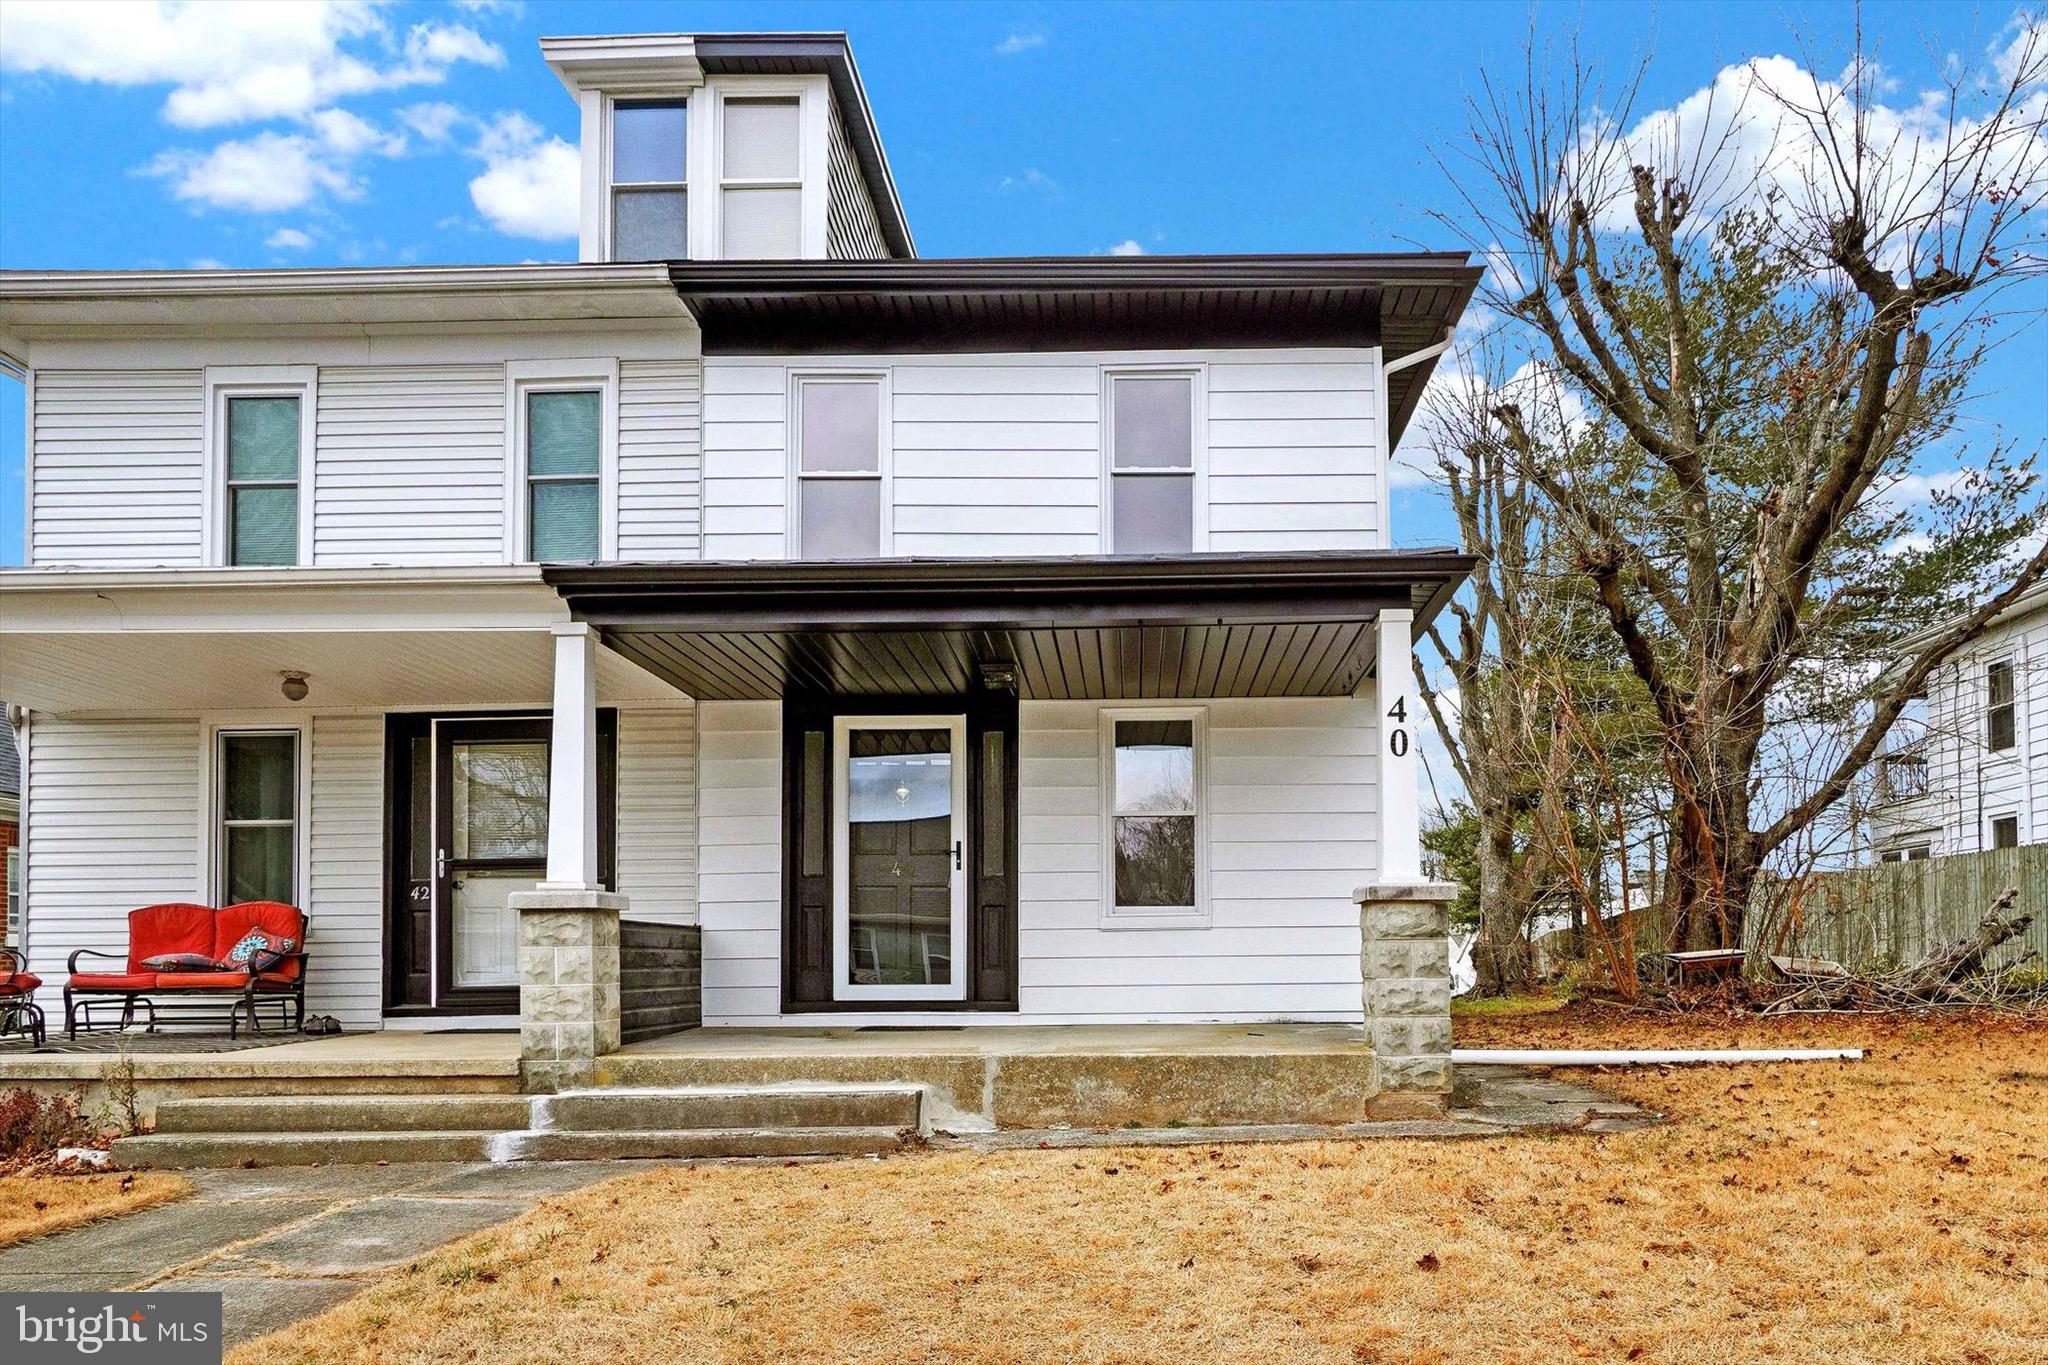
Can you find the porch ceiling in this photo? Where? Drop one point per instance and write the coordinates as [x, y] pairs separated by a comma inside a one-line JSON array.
[[1112, 627]]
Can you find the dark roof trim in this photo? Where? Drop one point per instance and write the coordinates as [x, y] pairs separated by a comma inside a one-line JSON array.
[[831, 54], [1039, 274], [1210, 588]]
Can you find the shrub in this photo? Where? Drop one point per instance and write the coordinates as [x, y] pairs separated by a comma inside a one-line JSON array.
[[34, 1125]]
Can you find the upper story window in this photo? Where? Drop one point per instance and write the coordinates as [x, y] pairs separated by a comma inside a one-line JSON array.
[[761, 179], [650, 196], [838, 467], [1151, 464], [2005, 831], [564, 437], [263, 479], [2000, 711]]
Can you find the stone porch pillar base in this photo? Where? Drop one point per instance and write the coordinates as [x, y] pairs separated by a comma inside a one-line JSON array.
[[1406, 962], [568, 985]]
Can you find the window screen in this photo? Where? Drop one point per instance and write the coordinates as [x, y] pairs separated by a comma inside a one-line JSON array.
[[263, 480], [2005, 831], [562, 443], [839, 468], [761, 194], [1152, 464], [650, 192]]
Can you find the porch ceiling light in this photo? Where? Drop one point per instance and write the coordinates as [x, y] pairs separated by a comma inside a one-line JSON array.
[[999, 677], [294, 687]]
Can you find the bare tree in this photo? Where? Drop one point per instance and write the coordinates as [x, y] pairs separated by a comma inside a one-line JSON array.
[[1769, 308]]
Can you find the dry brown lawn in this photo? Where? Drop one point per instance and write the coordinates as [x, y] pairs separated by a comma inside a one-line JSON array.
[[1890, 1210], [33, 1203]]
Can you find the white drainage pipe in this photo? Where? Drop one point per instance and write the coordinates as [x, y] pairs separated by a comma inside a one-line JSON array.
[[1510, 1056]]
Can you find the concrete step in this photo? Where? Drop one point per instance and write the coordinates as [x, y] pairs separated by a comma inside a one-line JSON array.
[[344, 1114], [700, 1143], [299, 1149], [672, 1110]]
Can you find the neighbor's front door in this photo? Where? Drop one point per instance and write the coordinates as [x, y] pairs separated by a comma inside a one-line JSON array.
[[491, 841], [900, 858]]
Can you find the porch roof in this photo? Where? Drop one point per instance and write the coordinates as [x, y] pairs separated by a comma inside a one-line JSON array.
[[1107, 627]]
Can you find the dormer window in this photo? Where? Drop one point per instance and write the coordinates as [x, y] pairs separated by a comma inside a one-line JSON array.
[[650, 197], [761, 179]]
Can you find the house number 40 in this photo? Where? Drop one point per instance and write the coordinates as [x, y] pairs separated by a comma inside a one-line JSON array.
[[1397, 738]]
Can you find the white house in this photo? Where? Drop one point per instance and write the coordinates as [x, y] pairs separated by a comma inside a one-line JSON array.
[[1967, 769], [954, 641]]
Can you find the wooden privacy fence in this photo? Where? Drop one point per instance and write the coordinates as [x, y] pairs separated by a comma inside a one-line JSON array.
[[1895, 912]]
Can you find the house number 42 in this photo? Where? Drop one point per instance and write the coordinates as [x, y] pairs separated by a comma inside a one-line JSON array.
[[1397, 737]]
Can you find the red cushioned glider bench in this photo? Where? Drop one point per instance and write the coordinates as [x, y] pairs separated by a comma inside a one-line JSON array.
[[157, 930]]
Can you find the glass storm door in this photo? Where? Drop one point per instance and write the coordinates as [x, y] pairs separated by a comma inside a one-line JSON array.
[[491, 780], [899, 854]]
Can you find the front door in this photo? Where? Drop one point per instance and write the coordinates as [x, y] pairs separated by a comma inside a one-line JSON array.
[[900, 858], [490, 841]]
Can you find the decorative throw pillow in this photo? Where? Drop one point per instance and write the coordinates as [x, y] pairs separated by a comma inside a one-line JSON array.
[[178, 962], [256, 951]]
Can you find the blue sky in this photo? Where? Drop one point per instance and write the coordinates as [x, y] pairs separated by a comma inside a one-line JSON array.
[[353, 135]]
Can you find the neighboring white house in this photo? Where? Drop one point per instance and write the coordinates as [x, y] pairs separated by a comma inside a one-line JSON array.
[[969, 641], [1967, 768]]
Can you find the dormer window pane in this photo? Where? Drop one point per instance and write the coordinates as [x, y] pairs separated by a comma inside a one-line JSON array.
[[650, 201], [760, 175], [648, 144]]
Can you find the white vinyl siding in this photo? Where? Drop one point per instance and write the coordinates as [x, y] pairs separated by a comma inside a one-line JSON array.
[[115, 808], [344, 825], [660, 462], [1292, 798], [1003, 455], [410, 465], [739, 877], [657, 806], [853, 232], [118, 468]]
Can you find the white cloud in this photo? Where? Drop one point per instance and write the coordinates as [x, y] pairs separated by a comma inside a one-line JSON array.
[[267, 173], [348, 134], [529, 187], [1129, 246], [1022, 40], [434, 121], [288, 239], [233, 61], [1031, 179]]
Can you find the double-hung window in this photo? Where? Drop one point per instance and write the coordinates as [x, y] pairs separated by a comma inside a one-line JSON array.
[[1151, 463], [257, 798], [838, 467], [1153, 816], [650, 197], [564, 445], [761, 179], [263, 447], [2001, 713]]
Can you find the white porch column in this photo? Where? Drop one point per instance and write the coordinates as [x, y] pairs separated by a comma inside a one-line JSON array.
[[1400, 809], [572, 764]]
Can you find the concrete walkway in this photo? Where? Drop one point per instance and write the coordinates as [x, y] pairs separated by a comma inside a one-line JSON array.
[[282, 1243]]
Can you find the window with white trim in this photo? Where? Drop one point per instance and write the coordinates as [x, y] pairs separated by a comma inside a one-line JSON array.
[[264, 438], [1151, 423], [650, 192], [2001, 709], [1155, 871], [564, 466], [838, 466], [2005, 831], [256, 801], [761, 191]]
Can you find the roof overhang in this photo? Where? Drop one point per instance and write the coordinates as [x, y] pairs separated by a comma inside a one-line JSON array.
[[60, 302], [1401, 302], [1109, 627], [2034, 599], [659, 63]]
